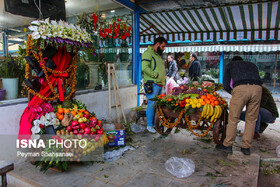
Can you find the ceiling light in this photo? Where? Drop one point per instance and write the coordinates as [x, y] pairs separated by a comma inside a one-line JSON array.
[[112, 11]]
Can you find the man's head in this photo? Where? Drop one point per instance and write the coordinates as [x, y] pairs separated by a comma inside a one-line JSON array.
[[193, 57], [170, 58], [159, 45], [237, 58]]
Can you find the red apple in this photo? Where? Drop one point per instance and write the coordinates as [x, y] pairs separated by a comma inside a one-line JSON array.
[[75, 131], [69, 128], [75, 127], [82, 125], [87, 130], [86, 116], [74, 123]]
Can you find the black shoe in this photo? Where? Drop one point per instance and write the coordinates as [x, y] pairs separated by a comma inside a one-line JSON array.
[[263, 127], [227, 149], [245, 151]]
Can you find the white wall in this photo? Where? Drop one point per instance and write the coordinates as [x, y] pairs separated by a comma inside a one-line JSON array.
[[97, 102]]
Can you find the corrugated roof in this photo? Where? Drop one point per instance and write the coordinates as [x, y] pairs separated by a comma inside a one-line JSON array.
[[254, 21]]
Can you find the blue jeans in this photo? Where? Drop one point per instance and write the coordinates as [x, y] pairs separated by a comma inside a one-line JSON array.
[[150, 112], [264, 116]]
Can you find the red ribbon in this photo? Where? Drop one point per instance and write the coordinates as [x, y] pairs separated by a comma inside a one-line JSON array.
[[60, 87]]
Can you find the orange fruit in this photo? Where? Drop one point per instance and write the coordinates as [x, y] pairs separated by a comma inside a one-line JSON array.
[[66, 110], [59, 116], [202, 103], [207, 101], [82, 110], [203, 97], [86, 112], [73, 113], [213, 104], [216, 102], [60, 110], [81, 114], [99, 121], [208, 96]]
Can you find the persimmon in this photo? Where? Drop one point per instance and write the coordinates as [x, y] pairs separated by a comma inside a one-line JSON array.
[[73, 113], [216, 102], [203, 97], [66, 110], [59, 116], [213, 104], [60, 110]]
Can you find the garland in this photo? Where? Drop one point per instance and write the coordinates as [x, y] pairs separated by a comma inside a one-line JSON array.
[[191, 127], [165, 122], [72, 70]]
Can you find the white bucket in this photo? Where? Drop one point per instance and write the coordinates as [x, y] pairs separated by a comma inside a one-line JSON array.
[[11, 87]]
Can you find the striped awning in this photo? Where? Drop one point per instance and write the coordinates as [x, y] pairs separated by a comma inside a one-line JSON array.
[[254, 21], [225, 48]]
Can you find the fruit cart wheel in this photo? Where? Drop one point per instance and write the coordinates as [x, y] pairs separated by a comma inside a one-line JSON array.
[[219, 129], [160, 128]]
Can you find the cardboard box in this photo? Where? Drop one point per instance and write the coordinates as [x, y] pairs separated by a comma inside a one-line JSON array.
[[115, 133]]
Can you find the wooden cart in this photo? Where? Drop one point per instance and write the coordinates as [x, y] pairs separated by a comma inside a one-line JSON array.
[[218, 128]]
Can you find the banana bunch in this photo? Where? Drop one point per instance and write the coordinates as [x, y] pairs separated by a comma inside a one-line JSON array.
[[217, 114], [209, 110]]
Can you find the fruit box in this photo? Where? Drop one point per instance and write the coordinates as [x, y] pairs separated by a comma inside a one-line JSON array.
[[115, 133]]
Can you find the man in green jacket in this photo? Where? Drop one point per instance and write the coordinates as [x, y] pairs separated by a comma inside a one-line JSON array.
[[154, 77]]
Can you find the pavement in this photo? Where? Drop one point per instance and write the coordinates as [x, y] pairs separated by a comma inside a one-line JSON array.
[[145, 165]]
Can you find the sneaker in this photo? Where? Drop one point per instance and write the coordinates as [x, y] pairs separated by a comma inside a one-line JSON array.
[[151, 130], [245, 151], [226, 149]]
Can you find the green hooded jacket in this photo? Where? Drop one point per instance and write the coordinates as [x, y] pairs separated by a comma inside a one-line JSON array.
[[153, 67]]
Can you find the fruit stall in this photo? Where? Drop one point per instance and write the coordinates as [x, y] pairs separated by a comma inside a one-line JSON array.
[[194, 107], [51, 53]]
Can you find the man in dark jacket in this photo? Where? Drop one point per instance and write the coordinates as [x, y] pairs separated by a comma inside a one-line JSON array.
[[247, 91], [195, 68], [173, 68]]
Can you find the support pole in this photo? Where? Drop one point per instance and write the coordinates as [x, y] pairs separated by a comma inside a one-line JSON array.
[[5, 43], [136, 53], [221, 67], [275, 75]]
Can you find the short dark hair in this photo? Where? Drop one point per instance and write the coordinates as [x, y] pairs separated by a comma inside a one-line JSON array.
[[194, 55], [170, 55], [237, 58], [160, 40]]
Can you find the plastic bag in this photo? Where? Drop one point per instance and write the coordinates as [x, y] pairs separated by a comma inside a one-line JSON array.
[[170, 84], [137, 128], [116, 154], [278, 150], [180, 167]]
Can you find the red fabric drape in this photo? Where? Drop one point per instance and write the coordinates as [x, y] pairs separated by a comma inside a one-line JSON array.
[[62, 60]]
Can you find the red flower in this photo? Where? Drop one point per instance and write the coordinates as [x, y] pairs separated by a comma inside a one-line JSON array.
[[183, 103], [41, 126]]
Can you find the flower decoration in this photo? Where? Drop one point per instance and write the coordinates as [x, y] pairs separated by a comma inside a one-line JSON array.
[[60, 33], [45, 120]]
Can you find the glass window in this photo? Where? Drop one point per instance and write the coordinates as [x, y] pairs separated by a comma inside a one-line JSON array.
[[266, 63]]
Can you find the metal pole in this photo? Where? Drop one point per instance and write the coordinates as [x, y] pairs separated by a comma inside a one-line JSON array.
[[275, 69], [136, 52], [221, 67], [5, 43]]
